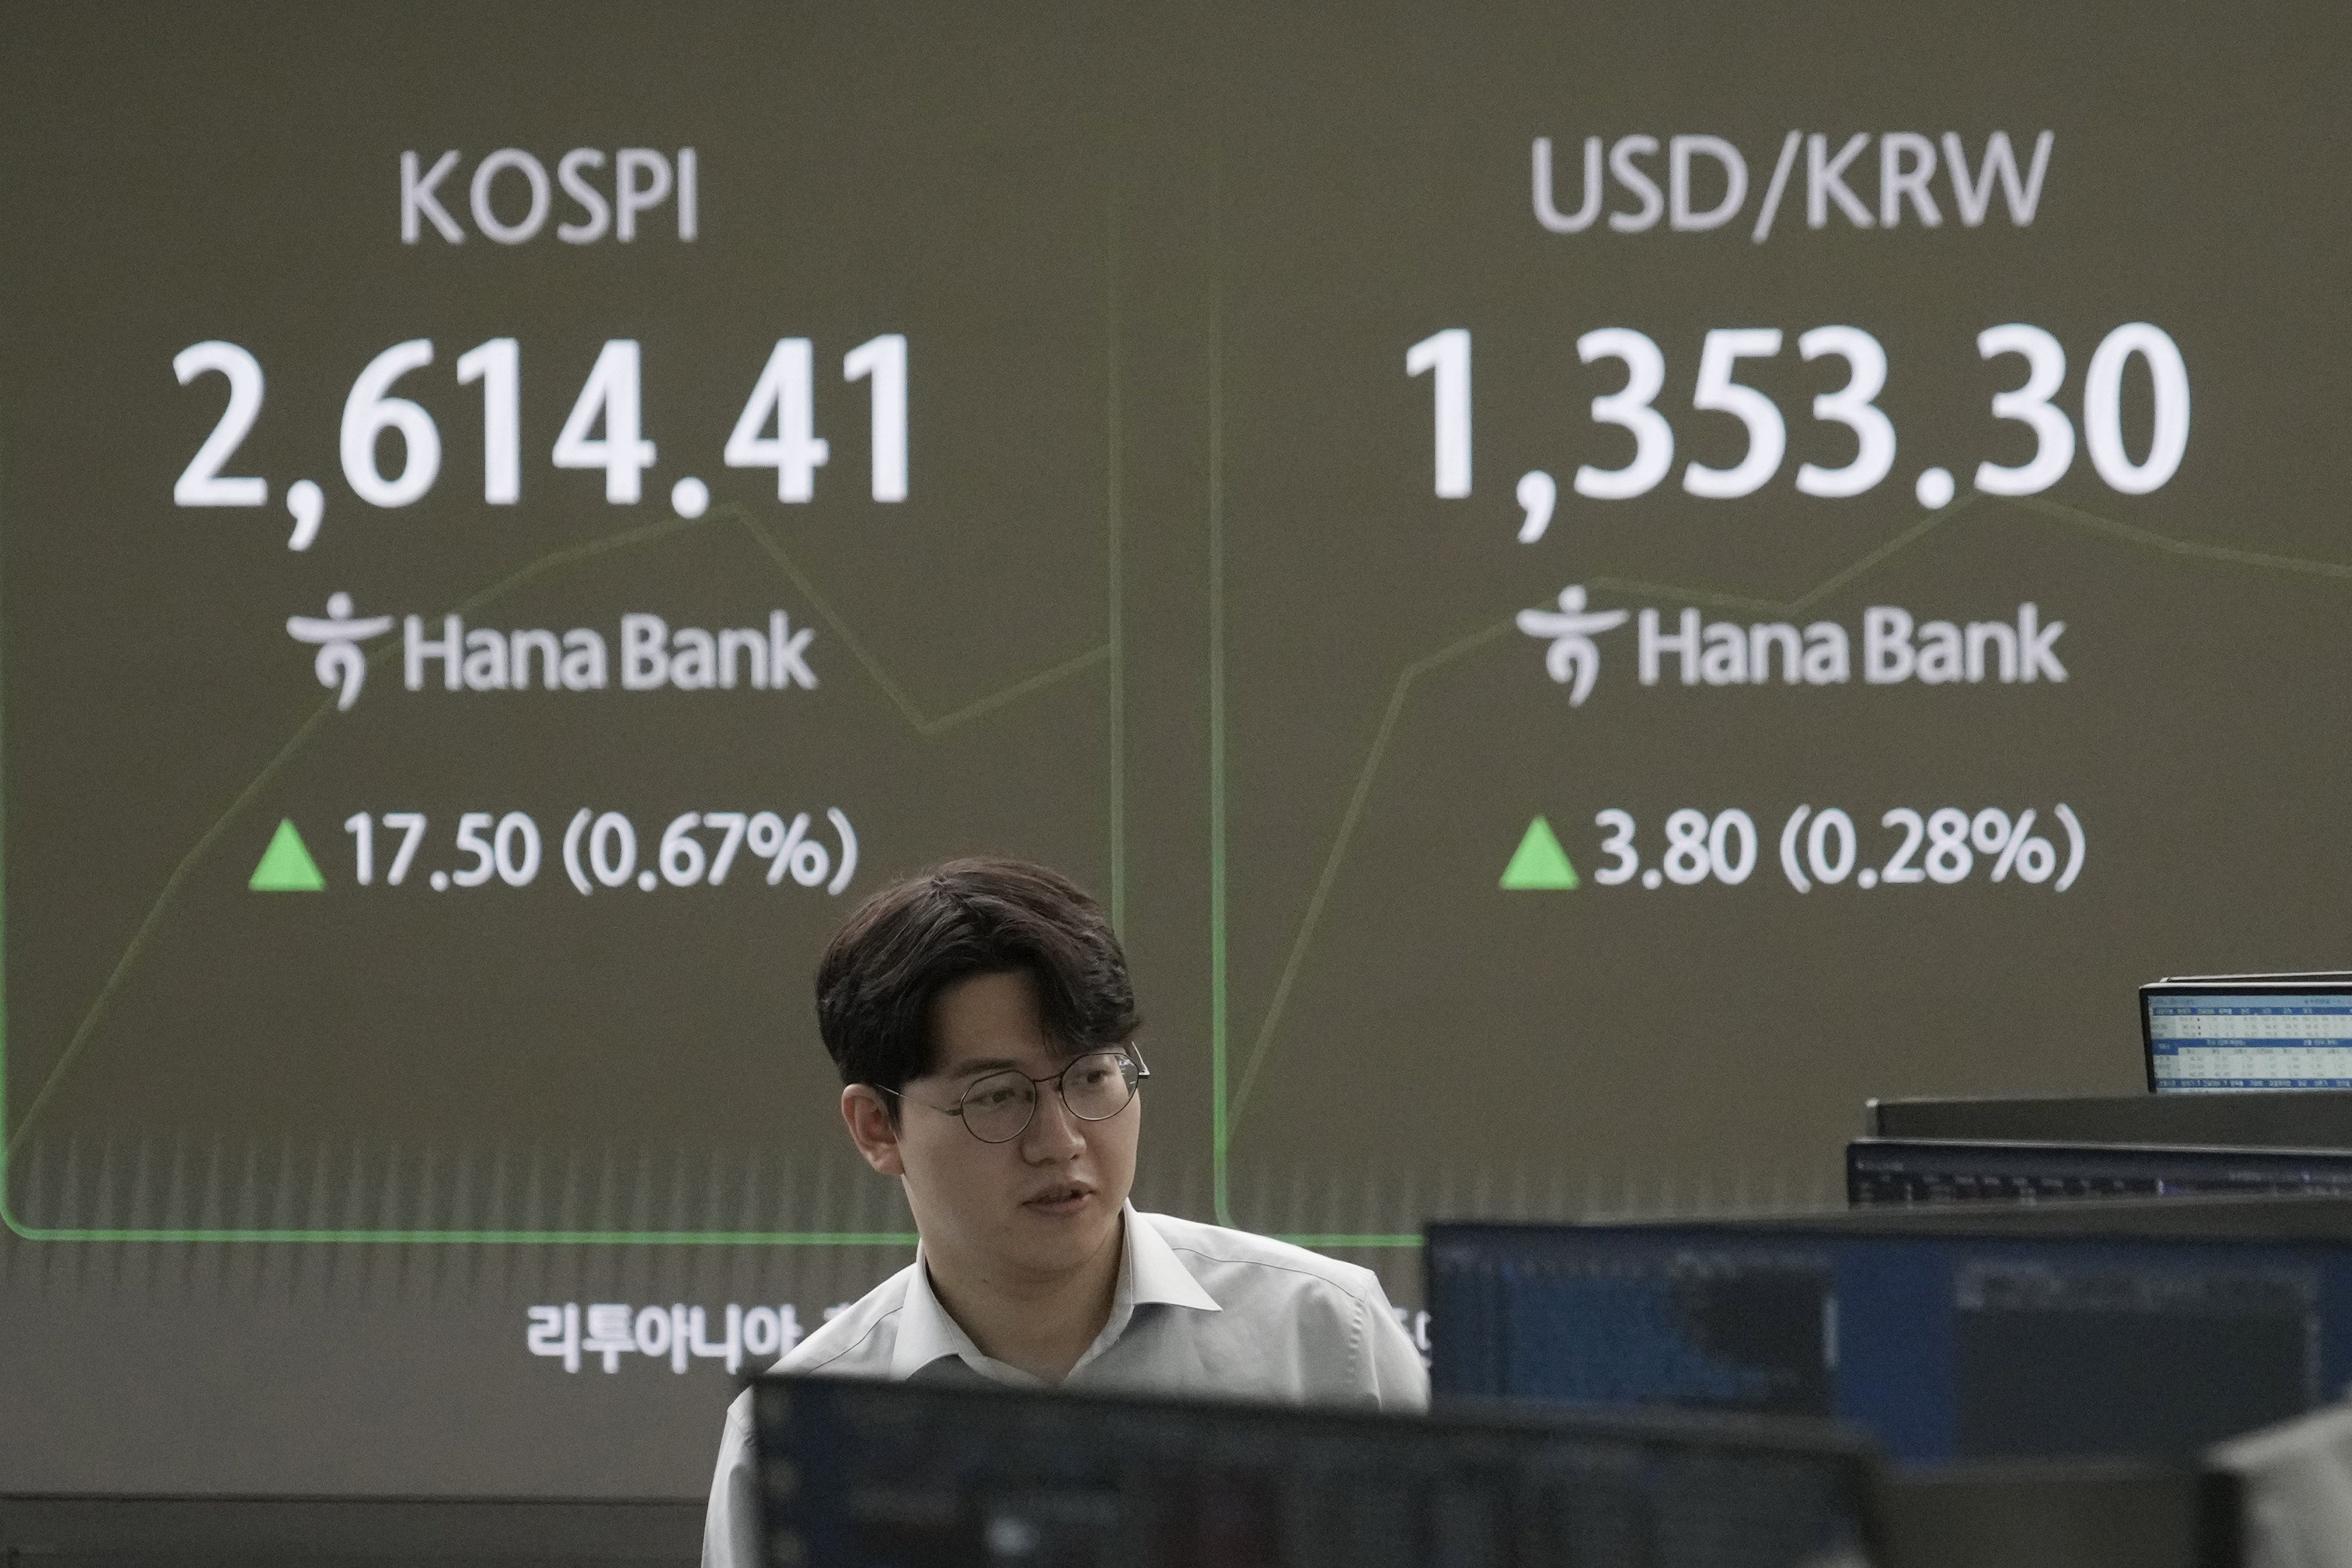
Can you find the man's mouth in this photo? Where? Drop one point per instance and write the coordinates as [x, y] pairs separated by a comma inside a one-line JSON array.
[[1067, 1198]]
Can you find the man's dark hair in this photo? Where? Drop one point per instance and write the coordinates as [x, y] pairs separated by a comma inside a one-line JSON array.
[[904, 945]]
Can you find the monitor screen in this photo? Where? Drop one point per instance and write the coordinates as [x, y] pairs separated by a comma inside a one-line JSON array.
[[1912, 1171], [2210, 1037], [1944, 1348], [867, 1473]]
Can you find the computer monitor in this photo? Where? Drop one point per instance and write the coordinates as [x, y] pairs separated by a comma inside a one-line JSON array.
[[1943, 1346], [2226, 1217], [859, 1474], [2228, 1032], [2221, 1119], [1913, 1171]]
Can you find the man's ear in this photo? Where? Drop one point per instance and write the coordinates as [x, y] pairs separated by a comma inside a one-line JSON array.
[[869, 1120]]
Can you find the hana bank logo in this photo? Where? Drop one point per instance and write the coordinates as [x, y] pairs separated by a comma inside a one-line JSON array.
[[1574, 658], [652, 654], [341, 667], [1897, 647]]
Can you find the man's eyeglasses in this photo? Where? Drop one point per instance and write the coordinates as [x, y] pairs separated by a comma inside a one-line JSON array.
[[998, 1107]]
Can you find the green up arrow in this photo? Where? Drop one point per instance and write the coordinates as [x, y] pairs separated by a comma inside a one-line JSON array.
[[1540, 861], [286, 866]]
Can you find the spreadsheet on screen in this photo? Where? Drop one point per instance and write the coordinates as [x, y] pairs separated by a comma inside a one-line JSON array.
[[2240, 1041]]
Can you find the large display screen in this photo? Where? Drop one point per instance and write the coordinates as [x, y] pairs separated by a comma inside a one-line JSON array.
[[1591, 586]]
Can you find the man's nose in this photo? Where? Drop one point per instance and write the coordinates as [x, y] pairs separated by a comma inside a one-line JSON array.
[[1052, 1134]]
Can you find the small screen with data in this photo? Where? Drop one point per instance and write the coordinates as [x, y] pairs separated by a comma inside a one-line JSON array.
[[2221, 1040]]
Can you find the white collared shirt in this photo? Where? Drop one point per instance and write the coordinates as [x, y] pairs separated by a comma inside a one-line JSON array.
[[1198, 1310]]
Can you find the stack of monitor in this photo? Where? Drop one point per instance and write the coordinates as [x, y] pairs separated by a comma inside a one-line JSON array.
[[1707, 1394], [1957, 1312], [2216, 1049]]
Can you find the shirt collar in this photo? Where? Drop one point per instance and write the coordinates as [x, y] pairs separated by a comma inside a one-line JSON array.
[[926, 1332], [1149, 1274]]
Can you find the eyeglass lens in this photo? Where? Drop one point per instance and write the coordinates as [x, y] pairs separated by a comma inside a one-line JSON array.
[[1096, 1087]]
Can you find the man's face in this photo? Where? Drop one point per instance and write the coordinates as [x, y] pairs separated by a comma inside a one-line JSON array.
[[1035, 1207]]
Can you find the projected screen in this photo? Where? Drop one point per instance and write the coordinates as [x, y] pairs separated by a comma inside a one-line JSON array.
[[1590, 587]]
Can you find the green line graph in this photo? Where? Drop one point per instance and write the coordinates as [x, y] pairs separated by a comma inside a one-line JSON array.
[[486, 1238], [1220, 1133], [1114, 586]]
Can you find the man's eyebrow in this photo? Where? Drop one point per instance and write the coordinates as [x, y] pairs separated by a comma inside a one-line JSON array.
[[984, 1064], [1001, 1064]]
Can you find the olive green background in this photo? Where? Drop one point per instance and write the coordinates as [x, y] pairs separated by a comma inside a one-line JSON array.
[[1171, 607]]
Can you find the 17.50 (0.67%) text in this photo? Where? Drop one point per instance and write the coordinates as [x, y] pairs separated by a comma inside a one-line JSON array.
[[599, 850]]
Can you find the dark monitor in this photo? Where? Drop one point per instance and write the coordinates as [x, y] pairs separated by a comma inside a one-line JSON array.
[[2316, 1118], [864, 1474], [2257, 1032], [1945, 1346], [2297, 1216], [1910, 1171]]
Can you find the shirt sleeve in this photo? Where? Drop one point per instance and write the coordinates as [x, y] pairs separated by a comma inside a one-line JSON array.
[[1400, 1379], [730, 1530]]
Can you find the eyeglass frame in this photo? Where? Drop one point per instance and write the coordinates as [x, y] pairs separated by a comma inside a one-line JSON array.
[[1142, 1071]]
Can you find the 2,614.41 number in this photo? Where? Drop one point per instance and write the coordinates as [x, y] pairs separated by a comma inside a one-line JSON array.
[[777, 428]]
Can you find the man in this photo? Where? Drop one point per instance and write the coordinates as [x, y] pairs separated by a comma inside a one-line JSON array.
[[984, 1023]]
